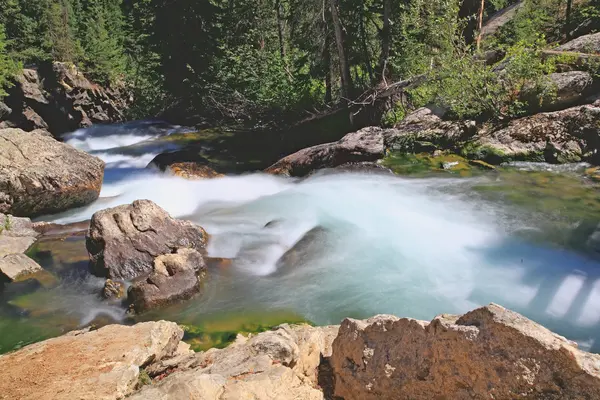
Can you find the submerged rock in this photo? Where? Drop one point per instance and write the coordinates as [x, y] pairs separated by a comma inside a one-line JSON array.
[[96, 365], [175, 277], [491, 352], [113, 289], [39, 175], [17, 267], [188, 164], [124, 241], [363, 145]]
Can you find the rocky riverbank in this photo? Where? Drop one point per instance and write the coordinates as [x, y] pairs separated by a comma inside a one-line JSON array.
[[58, 98], [487, 353]]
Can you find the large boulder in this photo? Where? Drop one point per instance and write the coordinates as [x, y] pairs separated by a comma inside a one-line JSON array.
[[39, 175], [175, 277], [15, 267], [488, 353], [98, 365], [278, 364], [124, 241], [569, 135], [571, 87], [363, 145], [583, 44], [58, 98], [425, 131]]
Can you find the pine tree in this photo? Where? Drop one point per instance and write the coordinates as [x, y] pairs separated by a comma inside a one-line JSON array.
[[7, 66]]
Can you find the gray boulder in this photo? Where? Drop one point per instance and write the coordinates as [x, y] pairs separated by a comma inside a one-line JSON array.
[[363, 145], [583, 44], [124, 241], [571, 88], [175, 277], [425, 131], [39, 175]]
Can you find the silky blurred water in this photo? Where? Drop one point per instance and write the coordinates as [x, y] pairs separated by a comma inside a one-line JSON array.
[[340, 245]]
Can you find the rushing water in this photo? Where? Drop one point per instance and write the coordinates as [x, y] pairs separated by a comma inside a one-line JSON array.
[[337, 245]]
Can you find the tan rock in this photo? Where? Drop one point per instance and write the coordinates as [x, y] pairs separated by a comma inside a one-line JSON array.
[[18, 266], [489, 353], [40, 175], [96, 365], [279, 364]]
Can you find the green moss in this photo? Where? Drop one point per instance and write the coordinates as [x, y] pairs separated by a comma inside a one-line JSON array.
[[219, 331], [423, 163], [144, 379]]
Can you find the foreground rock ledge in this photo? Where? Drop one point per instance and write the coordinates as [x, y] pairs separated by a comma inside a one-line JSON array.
[[97, 365], [489, 353]]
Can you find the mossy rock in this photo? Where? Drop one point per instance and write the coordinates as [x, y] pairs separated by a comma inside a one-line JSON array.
[[423, 163]]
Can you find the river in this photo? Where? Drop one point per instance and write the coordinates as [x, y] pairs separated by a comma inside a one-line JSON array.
[[376, 243]]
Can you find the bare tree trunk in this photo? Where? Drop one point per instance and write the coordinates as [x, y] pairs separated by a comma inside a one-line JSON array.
[[339, 40], [385, 39], [568, 18], [365, 49], [280, 28], [327, 65], [480, 23]]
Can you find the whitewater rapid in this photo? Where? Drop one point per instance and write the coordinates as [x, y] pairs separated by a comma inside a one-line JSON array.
[[380, 243]]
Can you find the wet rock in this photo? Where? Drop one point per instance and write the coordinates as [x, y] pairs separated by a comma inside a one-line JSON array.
[[175, 277], [193, 171], [124, 241], [15, 267], [188, 164], [113, 289], [363, 145], [366, 167], [57, 97], [583, 44], [39, 175], [97, 365], [279, 364], [487, 353]]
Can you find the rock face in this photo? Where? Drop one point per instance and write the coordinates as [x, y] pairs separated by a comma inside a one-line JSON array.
[[583, 44], [175, 277], [363, 145], [39, 175], [58, 98], [124, 241], [279, 364], [17, 266], [487, 353], [97, 365]]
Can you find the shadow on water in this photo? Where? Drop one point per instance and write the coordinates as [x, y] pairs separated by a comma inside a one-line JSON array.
[[560, 288]]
